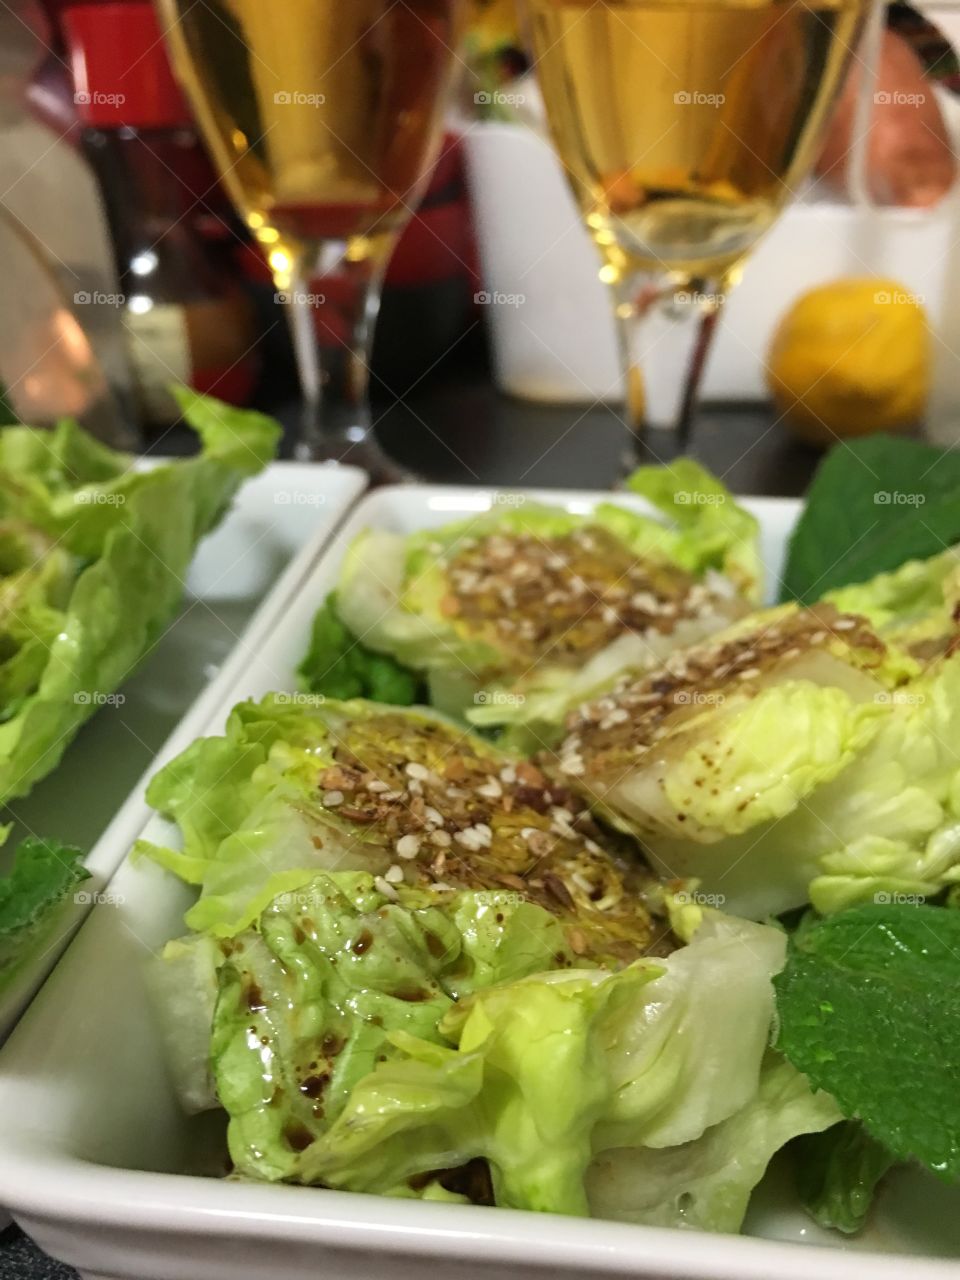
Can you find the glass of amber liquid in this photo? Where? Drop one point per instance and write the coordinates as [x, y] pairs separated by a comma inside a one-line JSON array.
[[324, 119], [684, 126]]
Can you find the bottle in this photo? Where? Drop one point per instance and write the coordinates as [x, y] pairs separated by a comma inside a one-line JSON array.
[[187, 318]]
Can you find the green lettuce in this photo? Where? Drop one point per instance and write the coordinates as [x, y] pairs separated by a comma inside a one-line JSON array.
[[913, 606], [93, 556], [705, 1184], [802, 759], [398, 596], [347, 1051]]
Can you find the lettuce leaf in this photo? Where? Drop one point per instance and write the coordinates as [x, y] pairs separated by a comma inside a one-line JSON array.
[[611, 590], [131, 536]]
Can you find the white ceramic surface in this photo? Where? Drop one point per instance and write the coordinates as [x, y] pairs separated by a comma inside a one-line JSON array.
[[98, 1164], [279, 521]]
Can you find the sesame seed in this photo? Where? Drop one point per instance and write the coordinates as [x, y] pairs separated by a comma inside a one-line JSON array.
[[386, 888], [433, 816], [408, 846], [394, 874], [441, 839], [332, 798], [376, 786], [508, 774], [418, 771], [491, 790]]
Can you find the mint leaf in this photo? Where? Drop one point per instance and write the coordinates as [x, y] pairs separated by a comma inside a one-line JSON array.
[[869, 1008], [838, 1171], [44, 873], [338, 665], [874, 504]]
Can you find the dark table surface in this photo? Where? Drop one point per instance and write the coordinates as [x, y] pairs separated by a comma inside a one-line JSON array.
[[452, 426]]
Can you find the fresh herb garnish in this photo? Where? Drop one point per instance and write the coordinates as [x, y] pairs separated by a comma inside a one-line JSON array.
[[873, 505], [838, 1172], [44, 873], [338, 665], [869, 1007]]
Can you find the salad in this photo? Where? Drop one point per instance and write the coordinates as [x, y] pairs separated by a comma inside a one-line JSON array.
[[93, 556], [595, 912]]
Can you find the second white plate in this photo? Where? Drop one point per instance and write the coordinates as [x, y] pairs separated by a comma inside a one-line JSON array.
[[100, 1166]]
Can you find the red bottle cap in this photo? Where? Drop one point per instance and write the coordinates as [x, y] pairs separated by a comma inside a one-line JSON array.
[[121, 72]]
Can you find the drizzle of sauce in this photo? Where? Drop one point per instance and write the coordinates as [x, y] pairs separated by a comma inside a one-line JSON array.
[[298, 1136], [313, 1086], [363, 943], [254, 998]]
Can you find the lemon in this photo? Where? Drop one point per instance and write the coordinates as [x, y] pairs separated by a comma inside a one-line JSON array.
[[850, 358]]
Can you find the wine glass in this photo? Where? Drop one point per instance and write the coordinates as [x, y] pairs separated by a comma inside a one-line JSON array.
[[683, 126], [324, 119]]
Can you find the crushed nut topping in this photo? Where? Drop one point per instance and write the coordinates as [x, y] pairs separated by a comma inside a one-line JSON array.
[[571, 594], [630, 718], [429, 801]]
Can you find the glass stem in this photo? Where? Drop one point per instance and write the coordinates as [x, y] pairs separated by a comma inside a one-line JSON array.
[[334, 302], [665, 331]]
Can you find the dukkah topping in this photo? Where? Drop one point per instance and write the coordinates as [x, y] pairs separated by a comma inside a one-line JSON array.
[[629, 720], [449, 817], [565, 597]]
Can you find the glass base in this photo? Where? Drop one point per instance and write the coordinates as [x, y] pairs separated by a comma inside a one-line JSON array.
[[364, 453]]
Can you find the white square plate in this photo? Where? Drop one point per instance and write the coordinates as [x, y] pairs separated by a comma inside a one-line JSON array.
[[99, 1165], [243, 573]]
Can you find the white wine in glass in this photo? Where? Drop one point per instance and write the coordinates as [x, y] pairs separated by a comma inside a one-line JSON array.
[[324, 119], [684, 126]]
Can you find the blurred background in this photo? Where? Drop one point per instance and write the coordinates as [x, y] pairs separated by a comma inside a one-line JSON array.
[[123, 265]]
